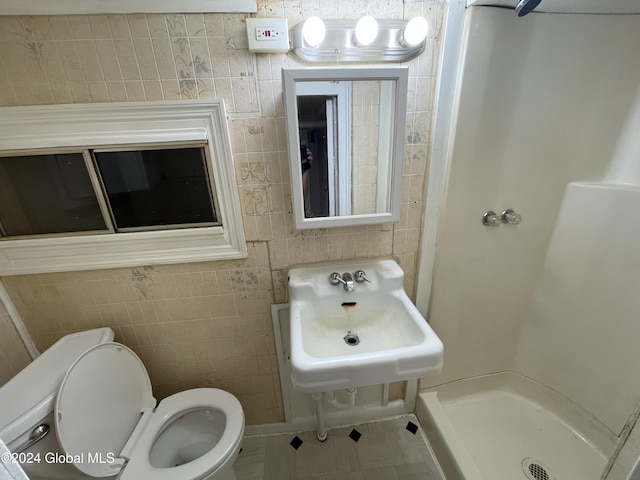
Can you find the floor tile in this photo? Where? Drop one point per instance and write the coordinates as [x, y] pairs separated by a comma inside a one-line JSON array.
[[384, 450]]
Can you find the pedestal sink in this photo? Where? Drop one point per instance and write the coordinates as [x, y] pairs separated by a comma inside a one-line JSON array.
[[370, 335]]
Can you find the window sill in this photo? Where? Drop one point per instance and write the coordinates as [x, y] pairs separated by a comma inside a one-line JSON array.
[[90, 252]]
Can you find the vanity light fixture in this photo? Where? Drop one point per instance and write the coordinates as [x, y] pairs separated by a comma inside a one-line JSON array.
[[364, 40]]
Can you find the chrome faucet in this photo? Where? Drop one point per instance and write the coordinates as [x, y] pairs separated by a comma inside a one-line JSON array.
[[359, 276], [346, 280]]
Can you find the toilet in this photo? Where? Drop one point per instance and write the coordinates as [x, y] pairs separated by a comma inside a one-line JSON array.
[[107, 422]]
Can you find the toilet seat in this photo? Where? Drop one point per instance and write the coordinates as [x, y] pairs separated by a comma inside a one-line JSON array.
[[139, 465], [106, 422]]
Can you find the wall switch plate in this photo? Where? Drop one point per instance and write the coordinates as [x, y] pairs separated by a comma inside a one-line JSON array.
[[268, 35]]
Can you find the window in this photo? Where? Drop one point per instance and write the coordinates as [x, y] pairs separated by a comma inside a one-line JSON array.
[[150, 189], [44, 194], [154, 189], [108, 185]]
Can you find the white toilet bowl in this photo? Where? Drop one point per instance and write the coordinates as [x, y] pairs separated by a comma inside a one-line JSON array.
[[183, 439], [108, 424]]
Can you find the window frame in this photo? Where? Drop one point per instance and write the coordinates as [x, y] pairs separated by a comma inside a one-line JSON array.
[[82, 127], [103, 195], [90, 7]]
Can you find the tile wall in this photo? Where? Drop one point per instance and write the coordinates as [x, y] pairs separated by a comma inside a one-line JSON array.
[[13, 354], [365, 111], [206, 324]]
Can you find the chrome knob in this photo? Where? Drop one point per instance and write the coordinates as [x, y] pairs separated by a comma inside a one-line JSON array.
[[510, 217], [491, 219], [359, 276]]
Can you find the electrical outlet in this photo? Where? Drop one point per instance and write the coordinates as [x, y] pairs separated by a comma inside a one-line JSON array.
[[268, 35]]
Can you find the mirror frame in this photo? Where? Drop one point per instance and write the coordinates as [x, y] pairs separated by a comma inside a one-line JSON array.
[[290, 76]]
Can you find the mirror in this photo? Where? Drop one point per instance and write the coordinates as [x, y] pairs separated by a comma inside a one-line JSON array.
[[345, 131]]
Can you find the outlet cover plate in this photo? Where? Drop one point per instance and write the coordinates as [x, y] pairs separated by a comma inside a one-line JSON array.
[[268, 35]]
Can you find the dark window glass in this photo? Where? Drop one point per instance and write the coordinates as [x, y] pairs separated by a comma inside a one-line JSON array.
[[43, 194], [156, 187]]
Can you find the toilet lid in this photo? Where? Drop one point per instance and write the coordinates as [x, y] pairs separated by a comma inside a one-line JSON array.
[[99, 403]]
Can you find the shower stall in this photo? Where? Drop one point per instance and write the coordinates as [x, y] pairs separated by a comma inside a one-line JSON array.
[[540, 320]]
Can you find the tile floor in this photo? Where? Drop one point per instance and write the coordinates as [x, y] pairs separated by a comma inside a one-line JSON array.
[[387, 450]]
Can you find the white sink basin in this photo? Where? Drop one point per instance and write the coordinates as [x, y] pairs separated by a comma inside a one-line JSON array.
[[371, 335]]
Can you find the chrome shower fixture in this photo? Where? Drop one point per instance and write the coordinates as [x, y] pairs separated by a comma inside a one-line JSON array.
[[508, 217], [526, 6], [491, 219]]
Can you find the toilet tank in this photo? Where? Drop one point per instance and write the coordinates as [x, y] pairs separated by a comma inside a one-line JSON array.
[[30, 395]]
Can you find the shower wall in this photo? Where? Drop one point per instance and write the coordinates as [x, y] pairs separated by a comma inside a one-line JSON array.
[[542, 102], [581, 334]]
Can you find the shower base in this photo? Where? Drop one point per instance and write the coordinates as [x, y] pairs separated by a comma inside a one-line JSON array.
[[506, 427]]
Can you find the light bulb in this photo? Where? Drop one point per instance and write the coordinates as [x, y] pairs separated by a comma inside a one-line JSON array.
[[366, 31], [415, 32], [313, 31]]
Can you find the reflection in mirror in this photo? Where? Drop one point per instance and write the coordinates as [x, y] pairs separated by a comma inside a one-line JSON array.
[[345, 130]]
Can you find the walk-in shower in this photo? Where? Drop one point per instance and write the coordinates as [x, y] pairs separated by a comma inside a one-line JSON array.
[[539, 319]]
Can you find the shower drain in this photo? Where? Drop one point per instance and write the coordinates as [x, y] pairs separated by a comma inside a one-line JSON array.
[[536, 470]]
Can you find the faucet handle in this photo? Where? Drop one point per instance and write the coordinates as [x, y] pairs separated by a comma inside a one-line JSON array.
[[491, 219], [359, 276], [336, 279], [510, 217]]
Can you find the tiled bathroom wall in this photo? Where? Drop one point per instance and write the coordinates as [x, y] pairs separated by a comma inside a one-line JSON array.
[[365, 113], [206, 324]]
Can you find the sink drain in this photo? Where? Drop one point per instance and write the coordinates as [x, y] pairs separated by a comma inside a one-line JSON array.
[[536, 470], [351, 339]]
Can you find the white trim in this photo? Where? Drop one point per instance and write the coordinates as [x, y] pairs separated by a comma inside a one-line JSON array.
[[281, 335], [340, 419], [439, 164], [95, 183], [570, 6], [103, 125], [345, 152], [340, 166], [332, 155], [290, 78], [78, 7], [16, 319], [90, 252]]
